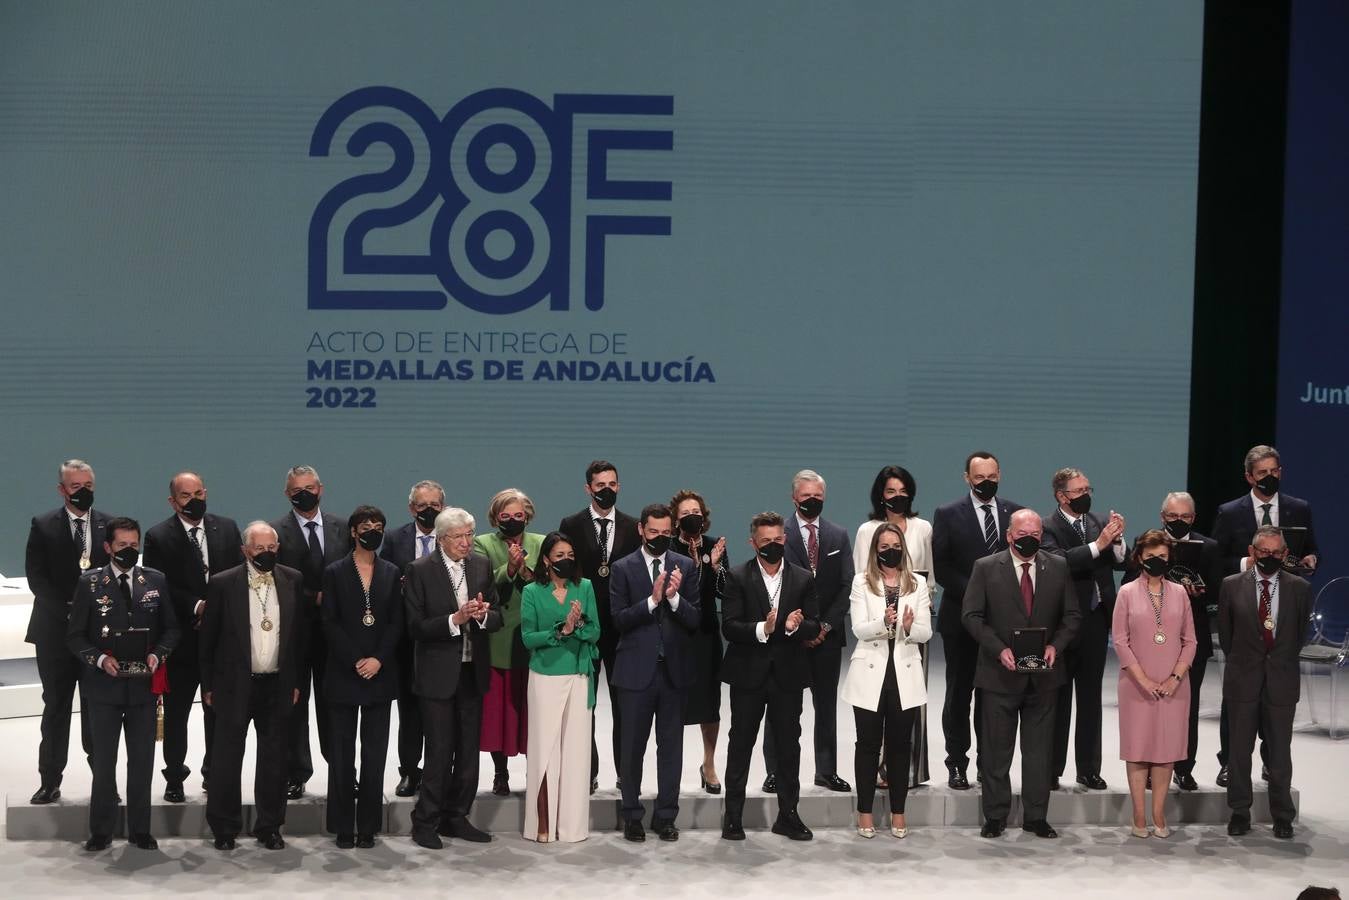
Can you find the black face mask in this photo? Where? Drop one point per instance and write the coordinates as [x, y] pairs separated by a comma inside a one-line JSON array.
[[264, 561], [605, 498], [304, 501], [985, 490], [771, 553], [194, 509], [427, 517], [1178, 529], [1269, 485], [564, 569], [1026, 546], [811, 507], [692, 524], [370, 540], [1156, 566], [83, 499], [511, 527], [1080, 505], [1268, 565], [891, 557], [658, 545], [899, 504], [126, 558]]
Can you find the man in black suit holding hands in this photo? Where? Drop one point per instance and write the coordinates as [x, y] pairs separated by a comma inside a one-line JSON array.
[[1094, 550], [401, 547], [1262, 626], [450, 611], [61, 544], [124, 609], [653, 594], [310, 539], [600, 535], [188, 547], [768, 612], [964, 531], [250, 650], [1019, 588]]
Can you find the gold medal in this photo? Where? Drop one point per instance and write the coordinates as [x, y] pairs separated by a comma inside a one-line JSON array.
[[602, 571], [1159, 638], [266, 624], [1269, 624], [368, 619], [84, 563]]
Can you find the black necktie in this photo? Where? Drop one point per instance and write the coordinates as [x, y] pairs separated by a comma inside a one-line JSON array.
[[196, 542], [79, 539], [660, 611], [604, 539], [1264, 518], [125, 584], [315, 548], [990, 530], [1080, 526]]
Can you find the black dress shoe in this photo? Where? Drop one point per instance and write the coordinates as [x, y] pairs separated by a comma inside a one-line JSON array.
[[46, 794], [1264, 773], [501, 784], [272, 840], [173, 793], [665, 830], [770, 784], [956, 779], [731, 829], [365, 841], [1091, 782], [1040, 828], [466, 831], [346, 841], [428, 839], [1283, 830], [224, 842], [992, 828], [1238, 825], [98, 842], [144, 842], [834, 783], [790, 826], [407, 786], [633, 831], [1223, 778], [294, 790], [1185, 781]]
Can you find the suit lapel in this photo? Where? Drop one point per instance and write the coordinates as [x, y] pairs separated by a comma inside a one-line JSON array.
[[440, 577], [241, 613], [796, 548], [760, 589]]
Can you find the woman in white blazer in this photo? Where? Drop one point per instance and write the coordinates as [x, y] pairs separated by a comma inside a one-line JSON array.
[[891, 619]]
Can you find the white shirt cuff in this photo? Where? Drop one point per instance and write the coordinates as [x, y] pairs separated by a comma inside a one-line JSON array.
[[791, 631], [454, 629], [1118, 549], [651, 604], [201, 605], [101, 657], [1095, 549], [759, 633], [674, 602]]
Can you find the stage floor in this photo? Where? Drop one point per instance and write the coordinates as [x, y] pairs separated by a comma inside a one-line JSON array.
[[1091, 860]]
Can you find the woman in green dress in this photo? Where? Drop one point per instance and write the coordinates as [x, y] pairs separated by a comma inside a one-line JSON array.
[[560, 627], [513, 553]]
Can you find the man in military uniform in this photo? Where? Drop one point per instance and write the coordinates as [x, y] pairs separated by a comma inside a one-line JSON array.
[[121, 609]]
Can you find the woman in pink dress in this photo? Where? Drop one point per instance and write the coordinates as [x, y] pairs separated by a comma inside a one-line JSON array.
[[1155, 642]]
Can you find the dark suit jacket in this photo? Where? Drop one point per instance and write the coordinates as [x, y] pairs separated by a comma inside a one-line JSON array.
[[1211, 570], [580, 530], [1252, 673], [294, 551], [400, 545], [98, 603], [748, 663], [1235, 526], [430, 602], [52, 564], [641, 631], [168, 549], [957, 542], [833, 578], [349, 639], [1061, 538], [993, 607], [226, 650]]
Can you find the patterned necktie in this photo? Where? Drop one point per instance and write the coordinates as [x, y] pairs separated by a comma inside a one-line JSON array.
[[812, 547], [1027, 589], [604, 540], [426, 543], [315, 548], [1264, 516], [193, 533], [79, 539], [1266, 634], [1080, 526], [990, 530]]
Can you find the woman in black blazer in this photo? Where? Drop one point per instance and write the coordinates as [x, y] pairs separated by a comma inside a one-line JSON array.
[[362, 615]]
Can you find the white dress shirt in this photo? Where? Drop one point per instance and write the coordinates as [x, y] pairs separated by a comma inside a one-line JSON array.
[[264, 646], [1018, 562], [772, 584], [607, 552], [979, 512], [648, 559], [1260, 517], [422, 548], [459, 585]]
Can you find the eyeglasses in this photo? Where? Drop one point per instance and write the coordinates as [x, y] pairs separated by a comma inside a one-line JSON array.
[[1077, 492]]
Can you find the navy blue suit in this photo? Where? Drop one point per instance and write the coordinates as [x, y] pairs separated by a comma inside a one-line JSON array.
[[1234, 528], [653, 668], [400, 548]]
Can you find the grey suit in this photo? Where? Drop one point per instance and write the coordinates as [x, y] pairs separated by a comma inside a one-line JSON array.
[[1261, 687], [993, 607]]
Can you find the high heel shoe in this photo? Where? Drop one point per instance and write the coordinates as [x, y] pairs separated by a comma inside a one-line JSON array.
[[712, 787], [1139, 832], [900, 832], [1161, 830], [501, 784], [868, 832]]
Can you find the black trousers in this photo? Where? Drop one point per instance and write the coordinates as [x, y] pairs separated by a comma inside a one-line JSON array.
[[1225, 737], [59, 671], [616, 709], [356, 806], [107, 724], [300, 761], [270, 715], [748, 705], [1246, 718], [962, 658], [825, 661], [1196, 679], [664, 703], [895, 727], [1001, 712], [1084, 663], [184, 678], [450, 779], [410, 736]]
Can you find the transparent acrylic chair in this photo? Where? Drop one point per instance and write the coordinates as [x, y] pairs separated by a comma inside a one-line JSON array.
[[1325, 659]]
